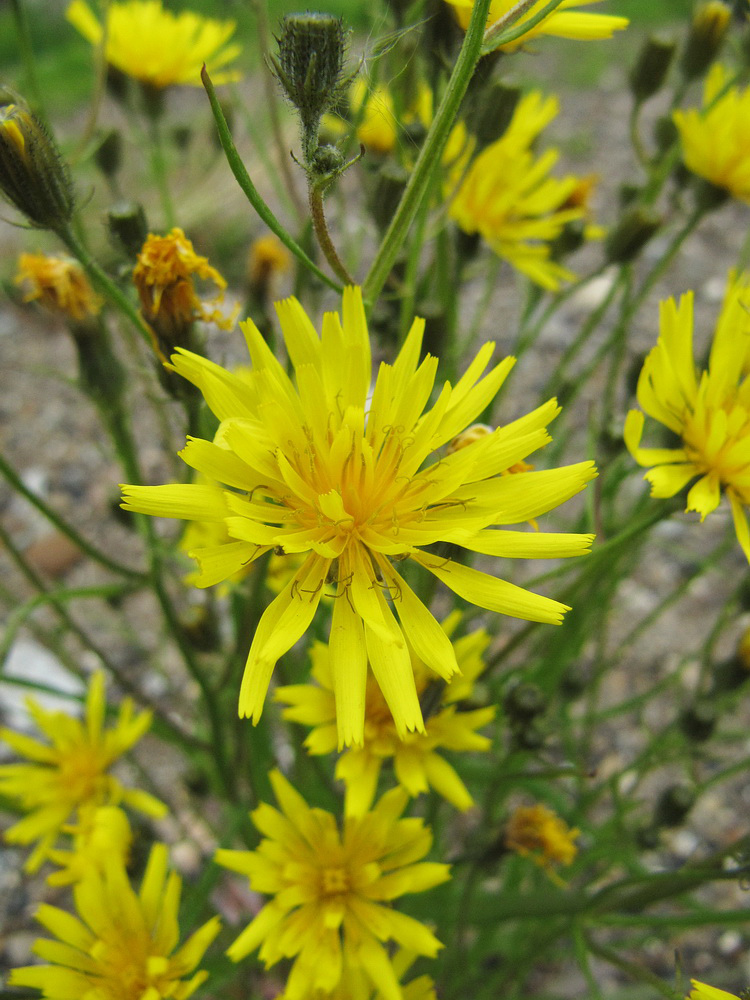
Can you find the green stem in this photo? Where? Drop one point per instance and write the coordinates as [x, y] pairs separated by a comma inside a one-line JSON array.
[[66, 529], [27, 58], [251, 192], [430, 154], [320, 227], [509, 27], [106, 285], [159, 168]]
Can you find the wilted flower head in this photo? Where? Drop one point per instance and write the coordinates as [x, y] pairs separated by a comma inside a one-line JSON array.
[[321, 466], [709, 410], [155, 46], [329, 887], [716, 138], [564, 21], [71, 771], [164, 277], [32, 173], [537, 832], [506, 194], [418, 760], [59, 283], [121, 944]]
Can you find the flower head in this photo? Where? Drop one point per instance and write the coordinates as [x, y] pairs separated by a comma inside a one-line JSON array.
[[122, 944], [330, 887], [709, 410], [164, 277], [416, 758], [320, 467], [155, 46], [268, 258], [59, 283], [716, 138], [507, 195], [33, 175], [562, 22], [537, 832], [71, 771], [101, 835], [701, 991]]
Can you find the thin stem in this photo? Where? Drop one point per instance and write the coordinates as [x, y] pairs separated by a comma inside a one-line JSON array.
[[509, 27], [251, 192], [430, 154], [159, 168], [320, 227], [26, 49], [106, 285], [66, 529]]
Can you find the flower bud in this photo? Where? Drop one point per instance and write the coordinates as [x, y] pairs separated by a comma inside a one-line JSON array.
[[310, 66], [127, 224], [388, 186], [493, 113], [32, 174], [108, 154], [698, 721], [524, 701], [674, 804], [652, 67], [631, 234], [707, 33]]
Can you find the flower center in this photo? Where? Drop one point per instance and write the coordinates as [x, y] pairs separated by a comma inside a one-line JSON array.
[[81, 775], [715, 440], [334, 881]]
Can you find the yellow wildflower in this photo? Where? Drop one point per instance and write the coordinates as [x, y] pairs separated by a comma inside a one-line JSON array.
[[71, 771], [564, 22], [349, 479], [329, 888], [268, 258], [537, 832], [701, 991], [418, 764], [59, 283], [155, 46], [378, 125], [356, 985], [709, 410], [121, 944], [164, 279], [102, 835], [716, 138], [506, 193]]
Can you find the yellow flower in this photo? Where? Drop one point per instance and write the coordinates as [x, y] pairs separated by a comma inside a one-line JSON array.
[[318, 466], [59, 283], [378, 124], [701, 991], [71, 771], [709, 410], [562, 22], [121, 944], [268, 257], [418, 765], [164, 279], [506, 193], [155, 46], [330, 887], [356, 985], [102, 834], [537, 832], [716, 138]]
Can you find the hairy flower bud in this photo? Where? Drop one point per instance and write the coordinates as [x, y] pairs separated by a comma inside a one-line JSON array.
[[310, 66], [32, 174], [707, 33], [631, 234], [652, 67], [127, 225]]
